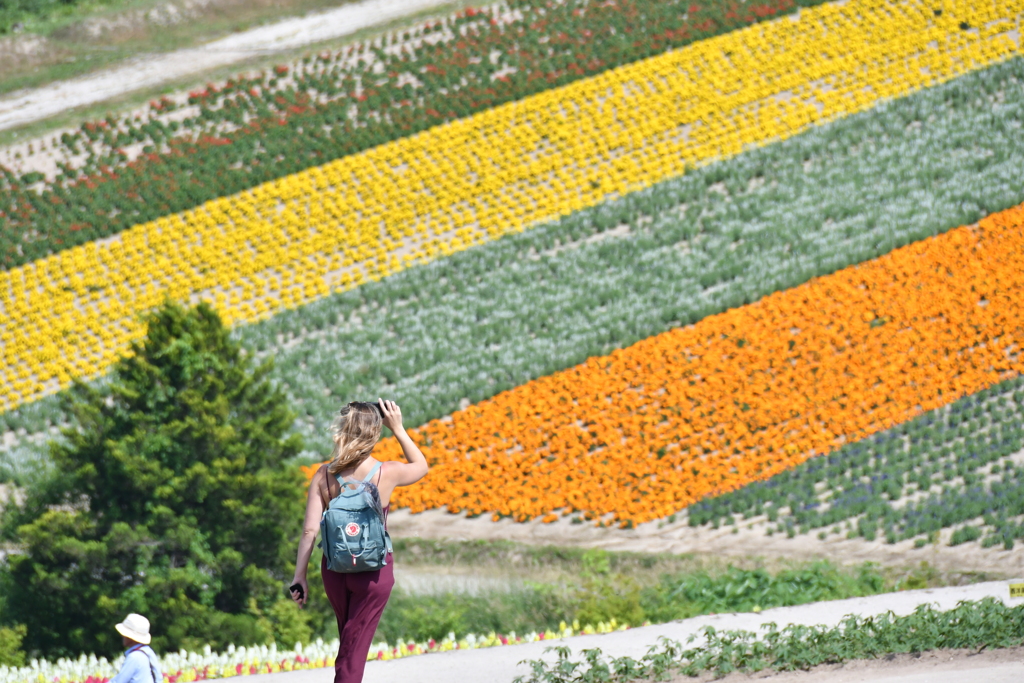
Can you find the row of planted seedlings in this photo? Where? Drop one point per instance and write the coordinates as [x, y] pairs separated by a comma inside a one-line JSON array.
[[958, 467]]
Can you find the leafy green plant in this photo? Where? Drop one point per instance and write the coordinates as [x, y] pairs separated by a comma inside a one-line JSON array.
[[965, 534], [410, 617], [11, 653], [13, 12], [743, 590], [605, 585], [987, 623]]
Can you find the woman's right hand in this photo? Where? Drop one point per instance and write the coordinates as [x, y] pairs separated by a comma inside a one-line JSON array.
[[300, 600], [392, 415]]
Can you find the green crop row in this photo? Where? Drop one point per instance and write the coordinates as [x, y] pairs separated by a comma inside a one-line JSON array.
[[258, 128], [949, 467], [491, 318], [986, 623]]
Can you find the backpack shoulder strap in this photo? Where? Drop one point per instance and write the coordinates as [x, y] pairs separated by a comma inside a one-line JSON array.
[[140, 648], [369, 476], [328, 479], [152, 668]]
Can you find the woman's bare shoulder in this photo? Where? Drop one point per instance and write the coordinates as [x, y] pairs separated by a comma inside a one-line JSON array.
[[318, 478]]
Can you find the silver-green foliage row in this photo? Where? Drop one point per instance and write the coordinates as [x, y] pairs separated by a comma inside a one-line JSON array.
[[494, 317], [986, 623]]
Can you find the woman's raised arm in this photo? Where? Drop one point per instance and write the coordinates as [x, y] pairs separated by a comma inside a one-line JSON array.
[[403, 474]]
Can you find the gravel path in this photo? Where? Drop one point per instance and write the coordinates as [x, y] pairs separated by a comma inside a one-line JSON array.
[[24, 107], [502, 664]]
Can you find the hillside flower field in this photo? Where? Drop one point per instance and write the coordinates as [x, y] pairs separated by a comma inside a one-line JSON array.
[[531, 304], [836, 197], [278, 245], [736, 262]]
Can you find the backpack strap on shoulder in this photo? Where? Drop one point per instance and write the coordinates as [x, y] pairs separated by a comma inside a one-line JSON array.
[[342, 481], [369, 476], [328, 478]]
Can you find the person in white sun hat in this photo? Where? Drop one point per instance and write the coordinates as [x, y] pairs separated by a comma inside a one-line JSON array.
[[140, 662]]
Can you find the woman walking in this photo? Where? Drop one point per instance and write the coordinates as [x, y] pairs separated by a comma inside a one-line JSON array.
[[358, 598]]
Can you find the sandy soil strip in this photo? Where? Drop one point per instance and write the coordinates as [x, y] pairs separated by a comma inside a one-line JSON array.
[[502, 664], [24, 107], [744, 540]]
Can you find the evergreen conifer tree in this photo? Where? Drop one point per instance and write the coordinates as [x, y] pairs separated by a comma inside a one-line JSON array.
[[170, 498]]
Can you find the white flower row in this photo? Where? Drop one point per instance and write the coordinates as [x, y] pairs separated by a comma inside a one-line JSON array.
[[186, 667]]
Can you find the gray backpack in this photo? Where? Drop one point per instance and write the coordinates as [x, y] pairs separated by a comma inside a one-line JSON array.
[[352, 533]]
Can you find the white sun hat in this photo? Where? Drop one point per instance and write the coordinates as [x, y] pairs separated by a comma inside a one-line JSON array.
[[136, 627]]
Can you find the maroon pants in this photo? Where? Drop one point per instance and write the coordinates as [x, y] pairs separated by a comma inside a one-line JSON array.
[[358, 601]]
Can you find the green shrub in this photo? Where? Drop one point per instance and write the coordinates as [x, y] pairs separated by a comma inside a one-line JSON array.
[[535, 607], [603, 590], [741, 590], [965, 534], [11, 653], [604, 595], [170, 498], [288, 623]]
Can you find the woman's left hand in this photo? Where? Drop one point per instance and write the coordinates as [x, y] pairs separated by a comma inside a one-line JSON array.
[[300, 599]]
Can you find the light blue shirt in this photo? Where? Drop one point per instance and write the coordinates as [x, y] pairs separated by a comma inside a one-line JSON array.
[[140, 666]]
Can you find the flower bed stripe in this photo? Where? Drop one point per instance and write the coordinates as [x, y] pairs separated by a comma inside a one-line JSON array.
[[741, 396], [280, 244]]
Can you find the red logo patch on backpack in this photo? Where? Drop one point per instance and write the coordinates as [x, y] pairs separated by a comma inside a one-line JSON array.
[[352, 529]]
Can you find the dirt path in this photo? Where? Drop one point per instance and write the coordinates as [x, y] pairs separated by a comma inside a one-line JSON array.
[[145, 72], [503, 664], [747, 539]]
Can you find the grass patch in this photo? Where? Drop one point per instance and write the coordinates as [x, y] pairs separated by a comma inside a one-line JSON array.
[[560, 585]]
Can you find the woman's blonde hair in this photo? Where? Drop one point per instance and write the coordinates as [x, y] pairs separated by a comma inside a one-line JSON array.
[[356, 430]]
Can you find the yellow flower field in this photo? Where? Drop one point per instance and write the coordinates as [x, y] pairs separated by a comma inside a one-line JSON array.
[[288, 242]]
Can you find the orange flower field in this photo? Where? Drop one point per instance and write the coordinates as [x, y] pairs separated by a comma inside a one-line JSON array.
[[741, 396]]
